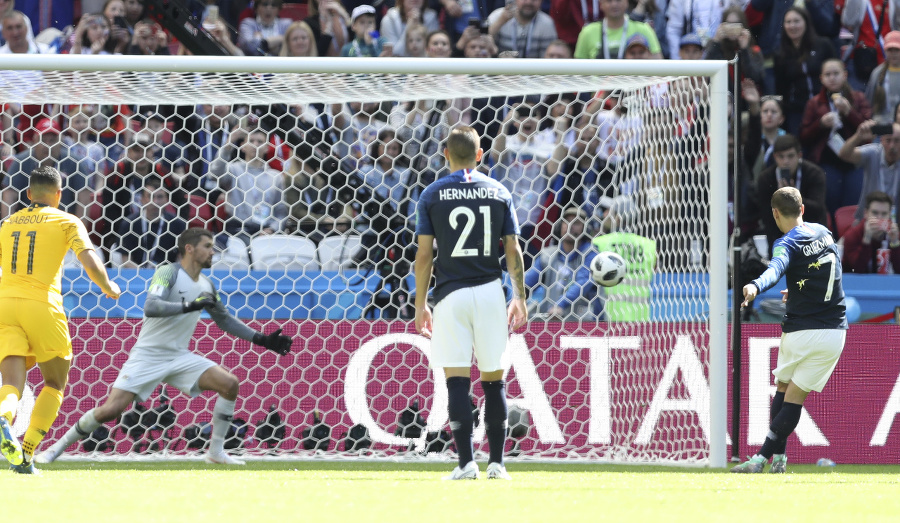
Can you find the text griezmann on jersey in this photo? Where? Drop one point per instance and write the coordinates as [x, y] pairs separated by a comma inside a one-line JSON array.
[[468, 193]]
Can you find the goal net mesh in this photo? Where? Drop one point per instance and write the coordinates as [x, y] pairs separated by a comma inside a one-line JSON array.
[[309, 184]]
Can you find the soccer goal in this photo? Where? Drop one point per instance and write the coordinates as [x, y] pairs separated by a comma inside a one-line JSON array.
[[308, 170]]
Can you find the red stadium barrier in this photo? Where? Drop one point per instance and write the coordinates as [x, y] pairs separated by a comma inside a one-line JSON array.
[[341, 365]]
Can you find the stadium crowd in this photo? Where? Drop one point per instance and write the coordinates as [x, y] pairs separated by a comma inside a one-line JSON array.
[[818, 98]]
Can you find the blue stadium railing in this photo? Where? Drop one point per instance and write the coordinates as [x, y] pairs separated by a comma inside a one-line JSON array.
[[343, 295]]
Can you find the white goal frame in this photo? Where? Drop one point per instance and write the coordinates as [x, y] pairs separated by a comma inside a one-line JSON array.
[[716, 71]]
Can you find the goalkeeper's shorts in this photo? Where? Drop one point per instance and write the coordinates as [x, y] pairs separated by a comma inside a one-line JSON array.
[[808, 357], [473, 317], [37, 330], [146, 369]]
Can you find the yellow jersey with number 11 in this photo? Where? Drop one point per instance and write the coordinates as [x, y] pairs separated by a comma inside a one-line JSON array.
[[33, 243]]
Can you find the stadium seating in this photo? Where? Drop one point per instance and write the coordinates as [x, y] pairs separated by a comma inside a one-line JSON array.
[[234, 256], [843, 219], [336, 252], [280, 252]]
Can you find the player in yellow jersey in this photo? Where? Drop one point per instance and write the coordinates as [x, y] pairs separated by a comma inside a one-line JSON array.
[[33, 324]]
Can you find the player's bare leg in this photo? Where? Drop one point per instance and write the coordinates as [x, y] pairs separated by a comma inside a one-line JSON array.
[[114, 405], [12, 370], [227, 385], [461, 421]]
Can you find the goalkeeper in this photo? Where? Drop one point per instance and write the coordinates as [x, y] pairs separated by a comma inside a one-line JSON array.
[[177, 294]]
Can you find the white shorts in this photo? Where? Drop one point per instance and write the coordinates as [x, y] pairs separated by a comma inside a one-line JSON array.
[[143, 372], [467, 318], [808, 357]]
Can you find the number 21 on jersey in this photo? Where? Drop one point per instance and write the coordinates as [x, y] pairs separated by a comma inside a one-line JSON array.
[[458, 249]]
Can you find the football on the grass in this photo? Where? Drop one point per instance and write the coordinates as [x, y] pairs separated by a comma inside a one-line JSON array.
[[608, 269]]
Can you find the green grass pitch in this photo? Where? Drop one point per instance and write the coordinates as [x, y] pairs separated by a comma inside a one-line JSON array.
[[283, 491]]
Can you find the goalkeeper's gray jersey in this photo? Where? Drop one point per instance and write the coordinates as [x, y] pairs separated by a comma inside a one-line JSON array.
[[171, 283]]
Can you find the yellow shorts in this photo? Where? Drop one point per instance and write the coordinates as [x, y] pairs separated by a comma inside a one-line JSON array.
[[34, 329]]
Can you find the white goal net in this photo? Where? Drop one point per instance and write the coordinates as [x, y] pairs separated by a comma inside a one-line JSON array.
[[308, 171]]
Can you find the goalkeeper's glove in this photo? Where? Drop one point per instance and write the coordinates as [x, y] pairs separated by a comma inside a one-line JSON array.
[[275, 342], [204, 301]]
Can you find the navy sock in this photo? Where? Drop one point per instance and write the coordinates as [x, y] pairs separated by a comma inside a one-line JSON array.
[[782, 427], [495, 418], [461, 421], [777, 402]]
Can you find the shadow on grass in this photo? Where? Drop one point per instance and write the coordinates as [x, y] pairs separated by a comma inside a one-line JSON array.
[[417, 466]]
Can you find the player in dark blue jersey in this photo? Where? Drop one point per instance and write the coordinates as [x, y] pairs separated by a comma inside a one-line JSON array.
[[814, 326], [468, 214]]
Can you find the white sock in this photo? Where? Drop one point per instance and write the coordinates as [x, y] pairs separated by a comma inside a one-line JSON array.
[[223, 412], [80, 430]]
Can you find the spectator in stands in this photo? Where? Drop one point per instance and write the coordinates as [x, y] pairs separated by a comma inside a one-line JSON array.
[[415, 40], [134, 13], [207, 131], [569, 16], [798, 66], [733, 40], [18, 36], [78, 137], [168, 152], [522, 27], [313, 198], [263, 34], [299, 40], [219, 31], [883, 89], [837, 110], [119, 35], [44, 150], [872, 246], [791, 170], [700, 17], [254, 202], [482, 46], [6, 7], [870, 32], [637, 48], [653, 13], [764, 126], [437, 44], [880, 161], [367, 41], [520, 153], [91, 35], [148, 236], [584, 181], [387, 179], [399, 17], [148, 39], [459, 15], [558, 49], [121, 192], [607, 39], [562, 270], [328, 21], [690, 47]]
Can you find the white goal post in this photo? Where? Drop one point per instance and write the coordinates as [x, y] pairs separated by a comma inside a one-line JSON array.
[[591, 375]]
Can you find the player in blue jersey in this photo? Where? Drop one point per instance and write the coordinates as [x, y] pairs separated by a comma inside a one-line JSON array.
[[814, 326], [469, 214]]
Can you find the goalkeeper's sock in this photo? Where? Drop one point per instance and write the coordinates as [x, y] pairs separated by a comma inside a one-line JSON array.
[[777, 403], [46, 407], [223, 413], [782, 427], [461, 420], [9, 400], [80, 430], [495, 418]]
